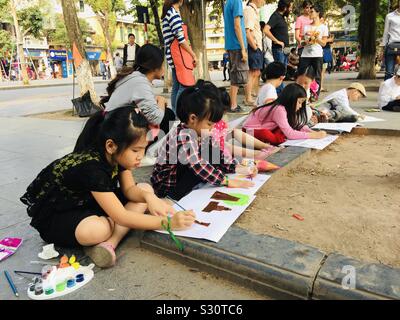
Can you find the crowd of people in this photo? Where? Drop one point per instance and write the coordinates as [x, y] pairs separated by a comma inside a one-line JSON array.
[[89, 197]]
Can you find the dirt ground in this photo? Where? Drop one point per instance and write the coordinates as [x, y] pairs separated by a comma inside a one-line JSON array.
[[348, 195], [58, 115]]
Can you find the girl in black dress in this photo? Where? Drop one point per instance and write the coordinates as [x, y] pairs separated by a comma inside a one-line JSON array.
[[89, 197]]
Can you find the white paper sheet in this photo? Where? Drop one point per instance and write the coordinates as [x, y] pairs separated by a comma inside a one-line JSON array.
[[318, 144], [258, 181], [340, 127], [220, 221]]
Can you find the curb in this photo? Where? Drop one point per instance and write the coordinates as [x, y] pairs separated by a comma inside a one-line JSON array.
[[284, 268], [33, 86]]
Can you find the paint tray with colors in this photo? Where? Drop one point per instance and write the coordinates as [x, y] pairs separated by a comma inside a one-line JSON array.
[[57, 281]]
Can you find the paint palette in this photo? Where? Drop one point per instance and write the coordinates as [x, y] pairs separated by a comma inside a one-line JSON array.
[[57, 282]]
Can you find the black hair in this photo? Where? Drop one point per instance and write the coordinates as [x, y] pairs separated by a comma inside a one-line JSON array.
[[124, 126], [306, 3], [288, 99], [203, 100], [308, 72], [274, 70], [318, 8], [131, 35], [293, 50], [117, 54], [167, 5], [284, 4], [149, 58]]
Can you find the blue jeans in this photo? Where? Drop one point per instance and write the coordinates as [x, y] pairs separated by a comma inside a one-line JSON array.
[[390, 61], [279, 56], [177, 89]]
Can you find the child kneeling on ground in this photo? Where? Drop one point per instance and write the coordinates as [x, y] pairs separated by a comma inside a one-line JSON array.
[[188, 156], [76, 201], [285, 118]]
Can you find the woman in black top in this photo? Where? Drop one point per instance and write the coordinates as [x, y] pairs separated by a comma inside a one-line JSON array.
[[76, 201]]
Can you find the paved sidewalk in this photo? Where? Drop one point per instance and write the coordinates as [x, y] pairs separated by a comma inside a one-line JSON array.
[[27, 145]]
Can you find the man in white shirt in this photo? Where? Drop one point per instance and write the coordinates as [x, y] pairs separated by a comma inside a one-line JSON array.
[[389, 93], [391, 41], [130, 51]]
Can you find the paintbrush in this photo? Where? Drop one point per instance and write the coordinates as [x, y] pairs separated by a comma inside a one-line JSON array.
[[195, 221]]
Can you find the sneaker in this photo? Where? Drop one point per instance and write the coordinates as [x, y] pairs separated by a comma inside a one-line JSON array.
[[239, 110]]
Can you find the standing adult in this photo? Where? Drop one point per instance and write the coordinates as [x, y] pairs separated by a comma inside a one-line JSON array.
[[277, 30], [236, 45], [301, 22], [103, 70], [327, 56], [225, 65], [391, 41], [254, 40], [315, 37], [118, 62], [131, 50], [172, 28]]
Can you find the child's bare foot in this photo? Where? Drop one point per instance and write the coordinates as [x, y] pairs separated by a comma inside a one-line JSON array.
[[103, 254]]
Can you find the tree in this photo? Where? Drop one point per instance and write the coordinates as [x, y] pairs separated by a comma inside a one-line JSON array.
[[59, 35], [7, 44], [106, 11], [155, 7], [84, 75], [193, 16], [367, 38], [26, 20]]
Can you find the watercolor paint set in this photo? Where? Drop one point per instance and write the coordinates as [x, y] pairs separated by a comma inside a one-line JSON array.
[[57, 281]]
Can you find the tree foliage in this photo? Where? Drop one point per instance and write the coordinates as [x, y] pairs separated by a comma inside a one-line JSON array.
[[59, 35], [7, 45]]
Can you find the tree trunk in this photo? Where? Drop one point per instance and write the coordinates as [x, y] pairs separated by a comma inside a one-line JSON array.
[[105, 24], [154, 9], [367, 38], [83, 72], [193, 18], [20, 44]]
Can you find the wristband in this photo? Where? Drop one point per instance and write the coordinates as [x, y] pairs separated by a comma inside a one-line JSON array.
[[168, 229]]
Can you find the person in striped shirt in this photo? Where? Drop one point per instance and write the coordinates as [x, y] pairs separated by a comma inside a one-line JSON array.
[[172, 29]]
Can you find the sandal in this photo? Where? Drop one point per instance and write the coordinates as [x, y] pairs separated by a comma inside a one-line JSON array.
[[103, 254]]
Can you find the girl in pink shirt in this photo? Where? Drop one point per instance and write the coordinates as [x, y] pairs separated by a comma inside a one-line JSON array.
[[247, 146], [282, 119]]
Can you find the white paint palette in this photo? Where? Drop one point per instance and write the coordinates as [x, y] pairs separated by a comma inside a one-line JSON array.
[[61, 282]]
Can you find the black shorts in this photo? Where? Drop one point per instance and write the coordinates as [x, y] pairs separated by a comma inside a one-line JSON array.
[[61, 226]]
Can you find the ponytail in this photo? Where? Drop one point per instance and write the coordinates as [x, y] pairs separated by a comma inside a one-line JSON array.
[[167, 5], [124, 126], [86, 139], [125, 71]]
